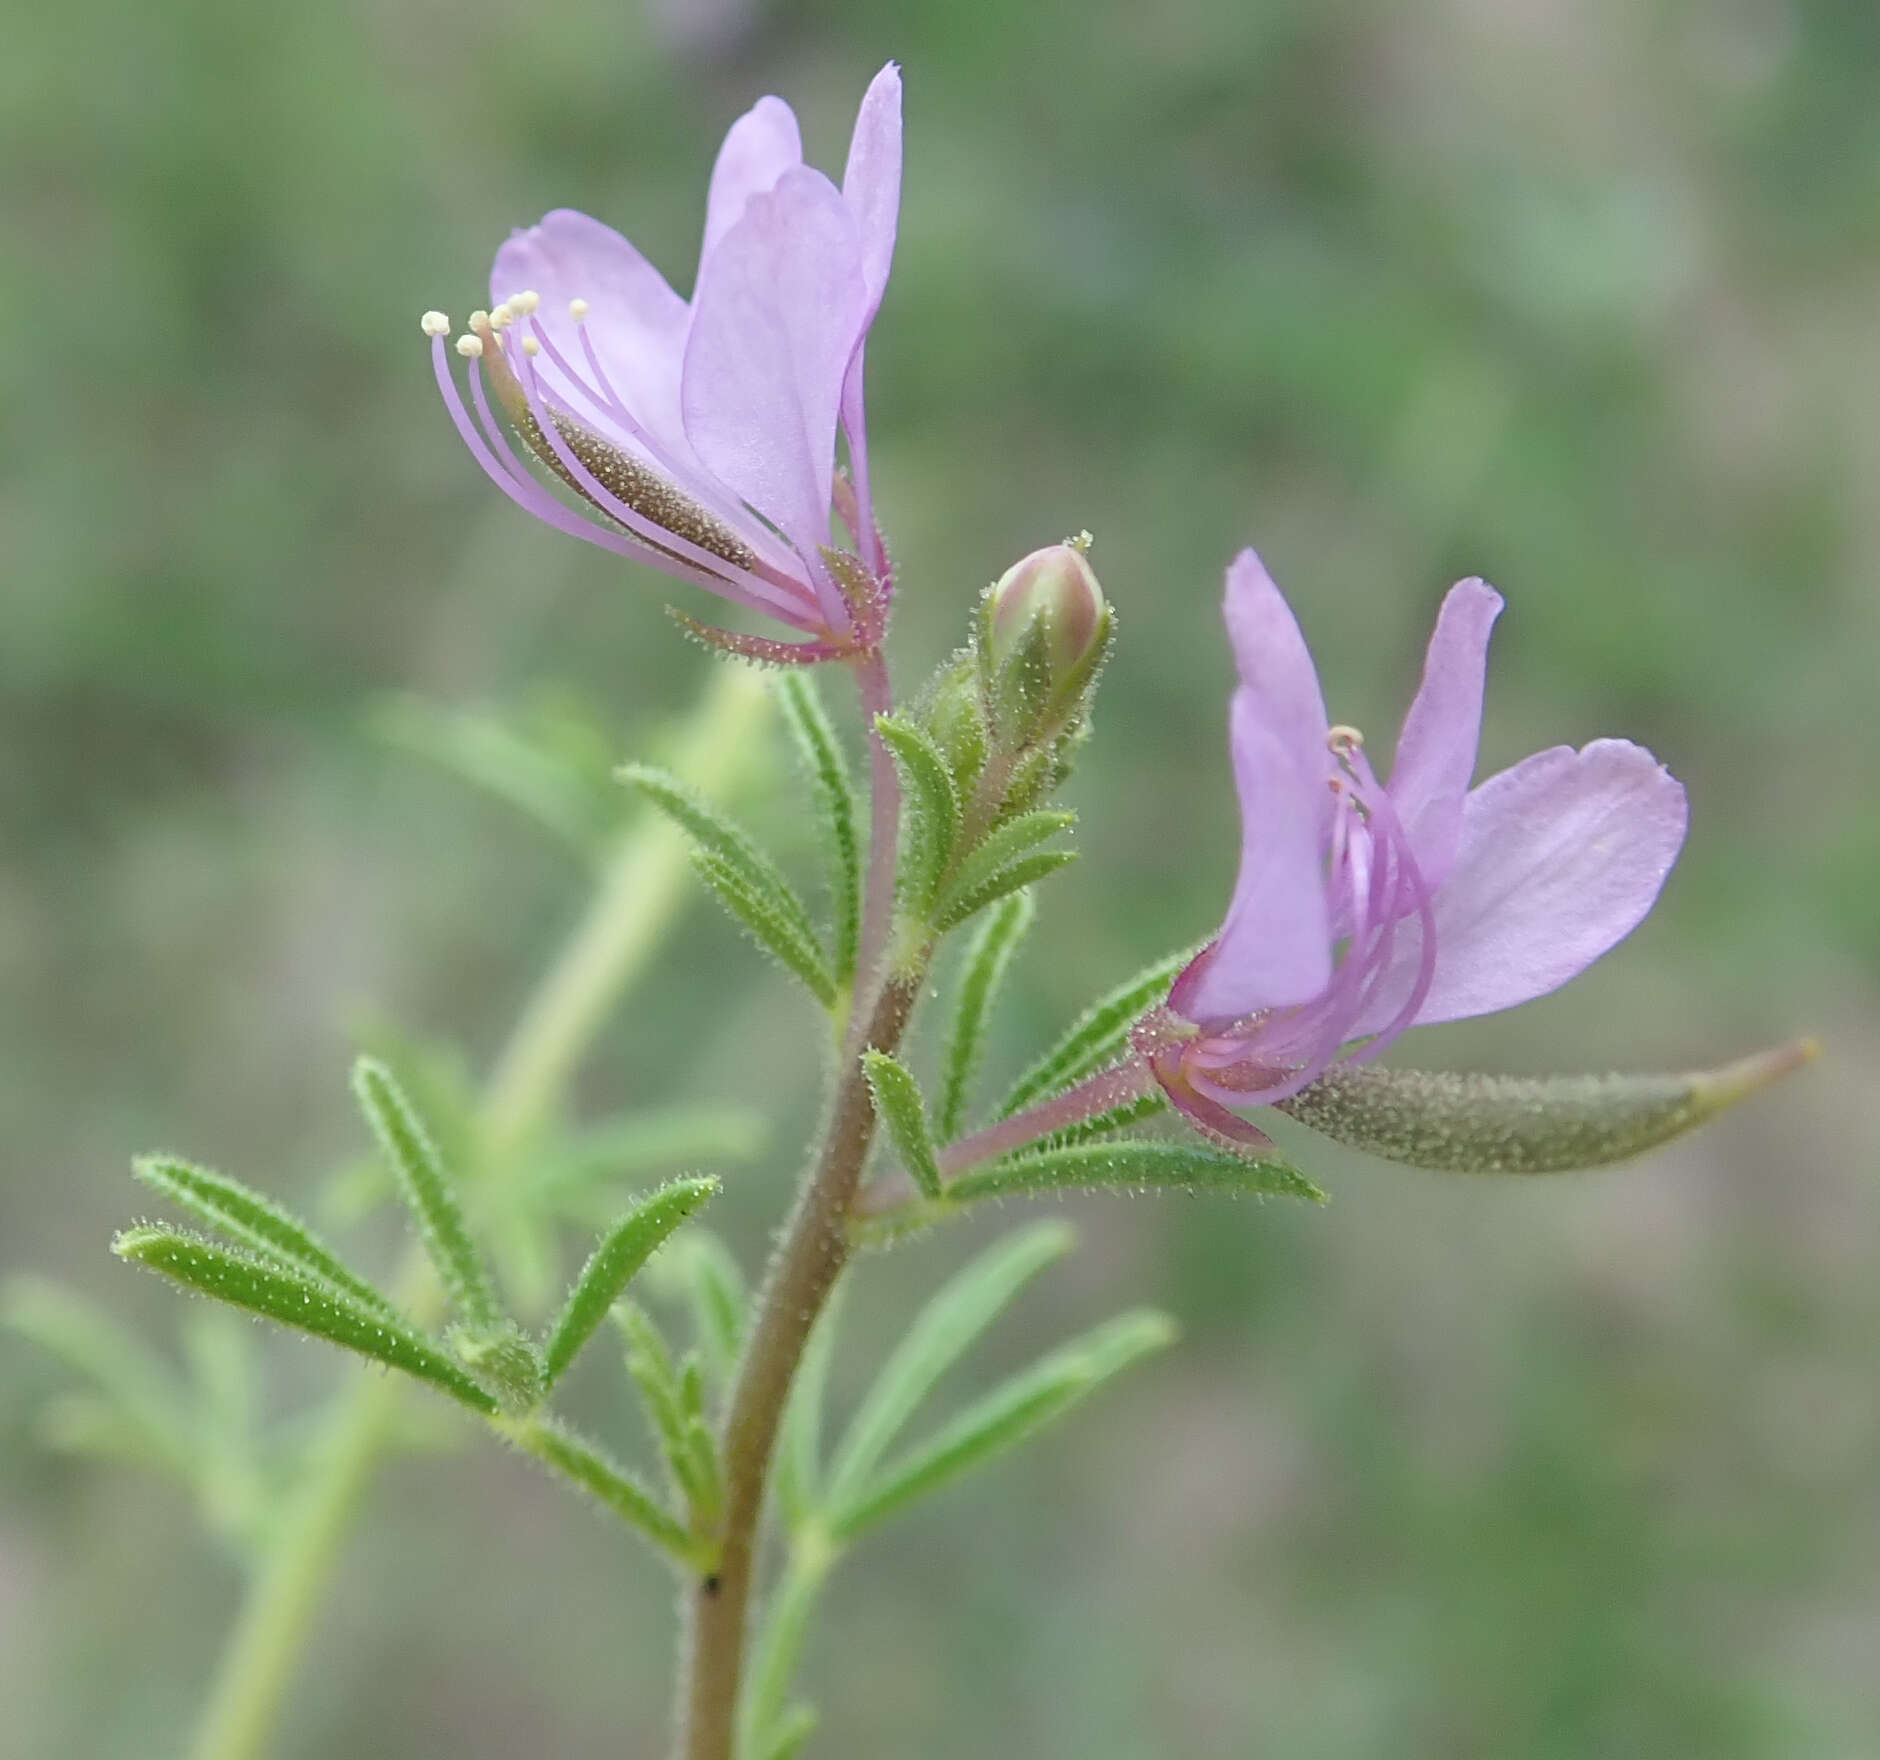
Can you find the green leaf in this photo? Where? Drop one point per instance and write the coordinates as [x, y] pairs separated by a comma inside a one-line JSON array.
[[732, 853], [931, 805], [149, 1414], [835, 798], [899, 1105], [799, 1448], [258, 1222], [773, 927], [999, 851], [584, 1464], [981, 976], [942, 1333], [613, 1263], [1013, 1411], [762, 1719], [789, 1733], [1131, 1166], [308, 1304], [484, 751], [1097, 1036], [428, 1192], [1505, 1124], [1026, 871], [700, 1268], [649, 1363], [1107, 1123]]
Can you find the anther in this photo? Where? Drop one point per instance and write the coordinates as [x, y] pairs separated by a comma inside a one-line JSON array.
[[531, 347], [501, 317], [434, 324], [1344, 740], [577, 309], [470, 347], [523, 303]]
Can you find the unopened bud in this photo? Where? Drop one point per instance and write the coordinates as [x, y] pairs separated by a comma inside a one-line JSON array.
[[1046, 626]]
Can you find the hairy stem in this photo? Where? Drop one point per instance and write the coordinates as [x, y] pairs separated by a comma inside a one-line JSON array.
[[636, 901], [814, 1249], [1091, 1098]]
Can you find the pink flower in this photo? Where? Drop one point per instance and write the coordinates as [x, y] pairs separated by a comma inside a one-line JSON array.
[[705, 432], [1362, 909]]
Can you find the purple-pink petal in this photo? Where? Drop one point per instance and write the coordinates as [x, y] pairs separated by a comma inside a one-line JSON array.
[[1436, 751], [780, 306], [1275, 948], [1276, 669], [1559, 859], [871, 184], [635, 321], [758, 149]]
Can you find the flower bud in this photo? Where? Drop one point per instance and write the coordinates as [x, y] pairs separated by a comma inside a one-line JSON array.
[[1044, 631]]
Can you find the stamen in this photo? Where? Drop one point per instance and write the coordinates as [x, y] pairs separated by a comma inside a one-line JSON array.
[[577, 309], [531, 347], [434, 324], [523, 303], [501, 317], [1344, 741], [470, 347]]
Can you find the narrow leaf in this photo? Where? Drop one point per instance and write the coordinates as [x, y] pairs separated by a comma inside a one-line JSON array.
[[779, 1646], [584, 1464], [981, 976], [835, 799], [932, 807], [789, 1734], [619, 1255], [700, 1269], [279, 1292], [1000, 850], [732, 849], [1108, 1123], [1013, 1411], [484, 752], [135, 1385], [246, 1216], [1505, 1124], [1132, 1166], [942, 1333], [773, 926], [427, 1190], [898, 1102], [1097, 1035], [799, 1448], [1026, 871], [650, 1365]]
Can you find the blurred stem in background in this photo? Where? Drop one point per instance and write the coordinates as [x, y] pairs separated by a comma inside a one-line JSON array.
[[637, 899]]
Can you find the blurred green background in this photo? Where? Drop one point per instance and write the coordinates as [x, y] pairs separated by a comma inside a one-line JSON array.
[[1580, 297]]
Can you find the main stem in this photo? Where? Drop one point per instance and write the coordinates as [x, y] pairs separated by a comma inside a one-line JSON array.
[[815, 1248], [639, 895]]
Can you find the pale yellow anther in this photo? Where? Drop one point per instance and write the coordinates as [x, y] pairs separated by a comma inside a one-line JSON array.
[[1081, 543], [501, 317], [577, 309], [1344, 740], [523, 303], [434, 324], [470, 347], [531, 347]]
